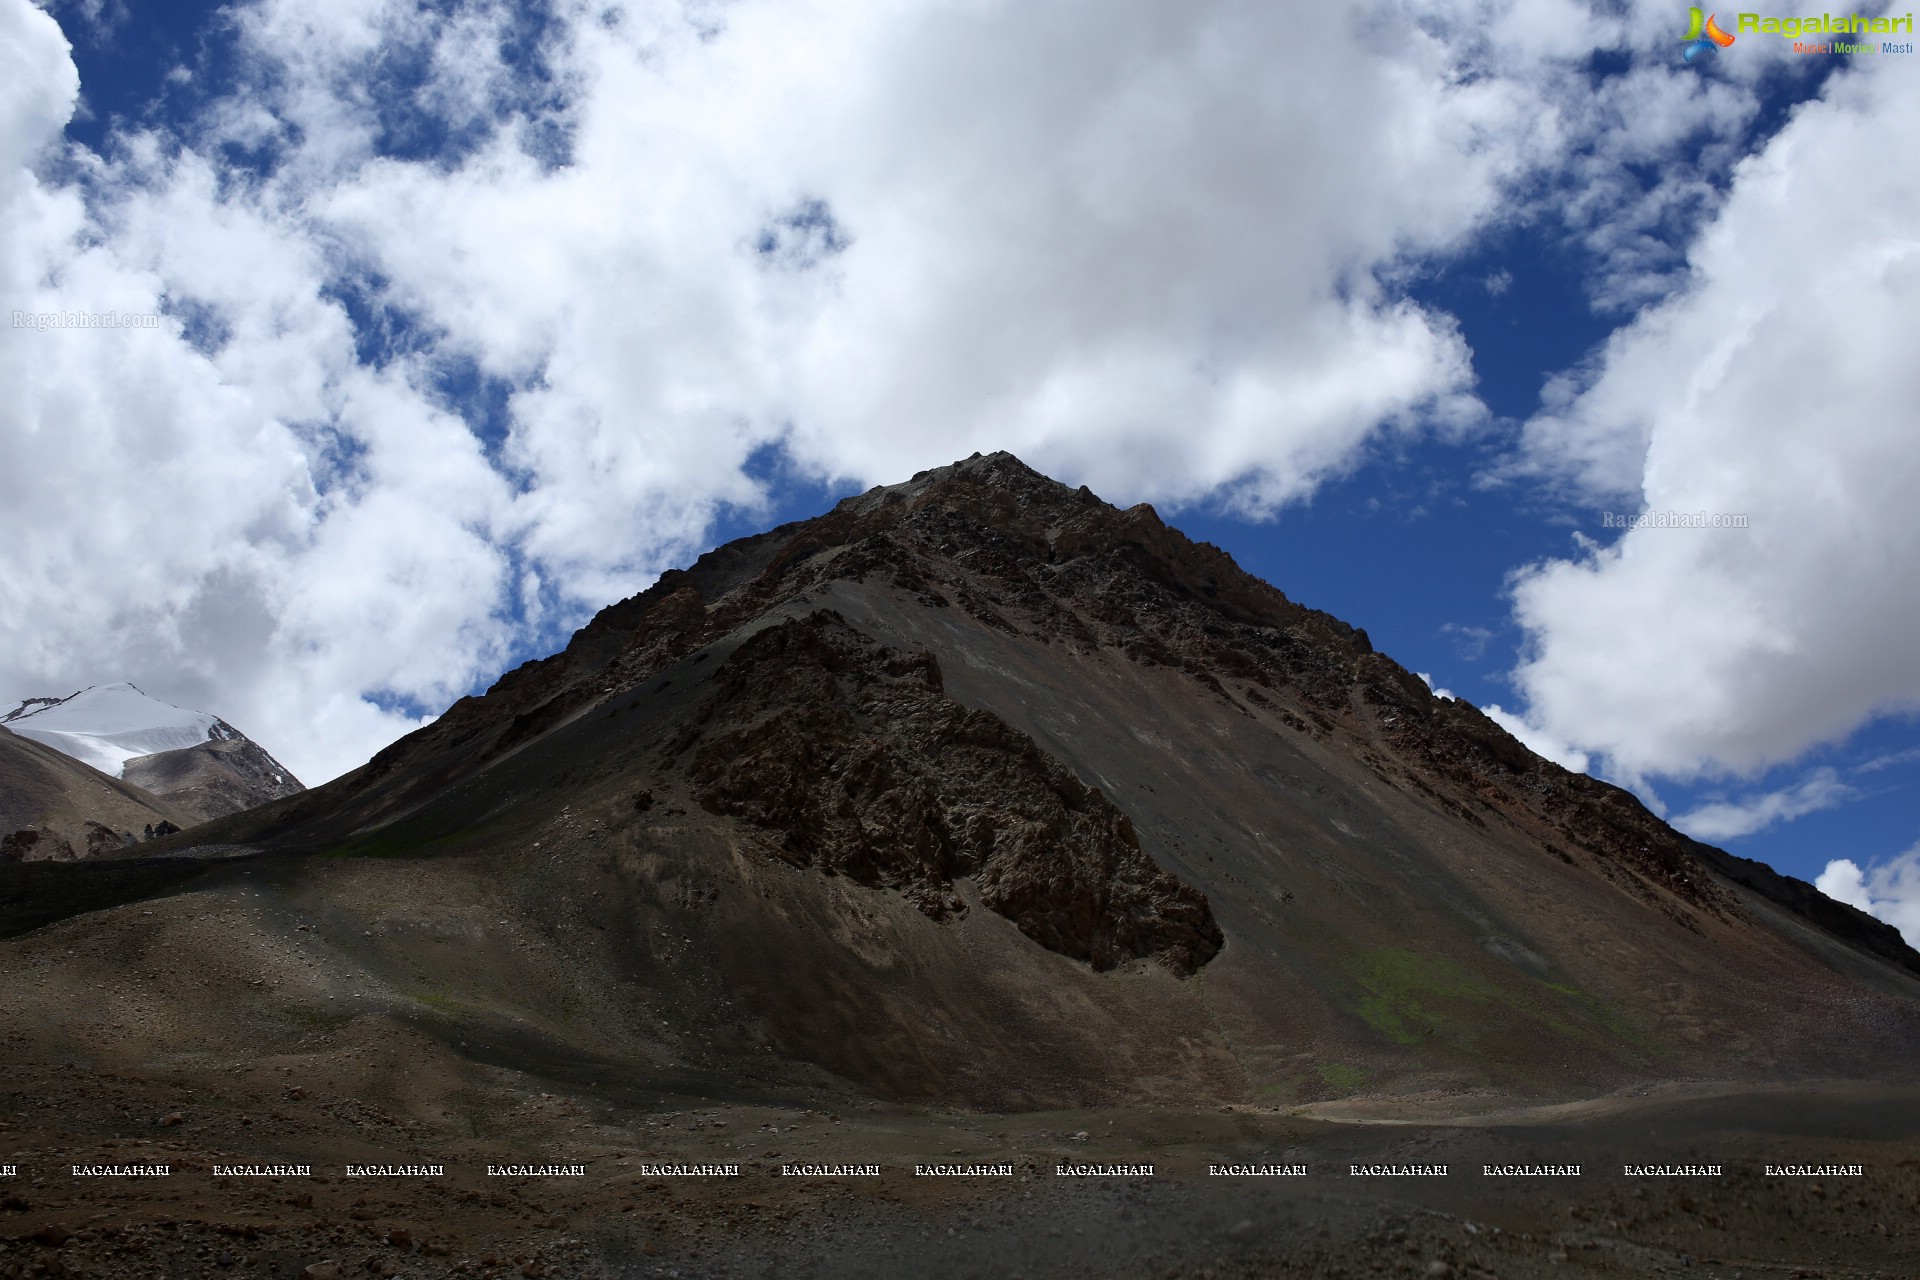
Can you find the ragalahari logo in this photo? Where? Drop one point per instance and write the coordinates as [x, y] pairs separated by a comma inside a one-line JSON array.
[[1703, 34]]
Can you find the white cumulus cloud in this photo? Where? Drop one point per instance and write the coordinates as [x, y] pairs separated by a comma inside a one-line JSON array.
[[473, 324], [1727, 819], [1539, 741], [1779, 385], [179, 514], [1889, 891]]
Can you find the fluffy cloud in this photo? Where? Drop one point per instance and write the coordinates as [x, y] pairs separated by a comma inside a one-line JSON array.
[[249, 521], [1778, 386], [1539, 741], [1108, 238], [38, 89], [1890, 891], [476, 315]]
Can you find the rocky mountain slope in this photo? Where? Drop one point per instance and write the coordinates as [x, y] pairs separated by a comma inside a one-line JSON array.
[[54, 807], [981, 790]]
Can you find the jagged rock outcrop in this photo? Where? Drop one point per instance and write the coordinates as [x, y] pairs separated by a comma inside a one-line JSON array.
[[852, 754], [225, 774]]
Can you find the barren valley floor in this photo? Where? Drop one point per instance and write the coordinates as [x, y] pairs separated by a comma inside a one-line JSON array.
[[632, 1212]]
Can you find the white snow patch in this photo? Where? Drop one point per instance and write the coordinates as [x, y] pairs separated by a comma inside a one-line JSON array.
[[107, 725]]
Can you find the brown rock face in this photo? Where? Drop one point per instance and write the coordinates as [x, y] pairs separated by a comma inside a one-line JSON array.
[[30, 843], [54, 808], [227, 774], [855, 757]]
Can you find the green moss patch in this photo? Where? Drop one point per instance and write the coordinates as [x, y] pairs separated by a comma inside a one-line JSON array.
[[1340, 1078], [1413, 997]]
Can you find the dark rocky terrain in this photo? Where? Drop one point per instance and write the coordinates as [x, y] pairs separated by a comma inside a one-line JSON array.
[[228, 773], [990, 819], [854, 757], [618, 1220]]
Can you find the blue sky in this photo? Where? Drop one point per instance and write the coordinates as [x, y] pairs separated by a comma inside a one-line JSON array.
[[477, 315]]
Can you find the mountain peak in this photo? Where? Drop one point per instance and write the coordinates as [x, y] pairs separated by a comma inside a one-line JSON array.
[[981, 724], [980, 474], [106, 725], [195, 760]]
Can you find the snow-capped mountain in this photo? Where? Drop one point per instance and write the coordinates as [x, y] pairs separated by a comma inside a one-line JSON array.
[[109, 724], [201, 764]]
